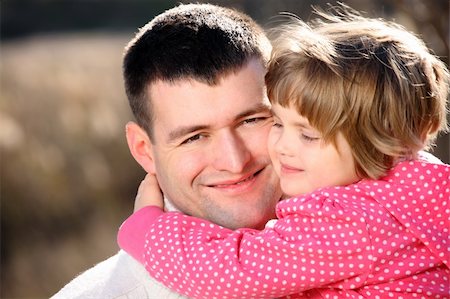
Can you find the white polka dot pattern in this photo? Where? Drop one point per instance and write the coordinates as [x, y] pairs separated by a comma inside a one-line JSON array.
[[375, 239]]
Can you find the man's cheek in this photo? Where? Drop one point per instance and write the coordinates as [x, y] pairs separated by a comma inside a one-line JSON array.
[[190, 166]]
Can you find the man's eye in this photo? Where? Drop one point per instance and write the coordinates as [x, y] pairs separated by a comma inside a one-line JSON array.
[[192, 139], [254, 120], [250, 120]]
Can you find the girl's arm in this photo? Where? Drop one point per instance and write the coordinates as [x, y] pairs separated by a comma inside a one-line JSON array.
[[149, 196], [315, 243], [149, 193]]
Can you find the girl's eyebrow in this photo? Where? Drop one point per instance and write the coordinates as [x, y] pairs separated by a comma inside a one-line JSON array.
[[300, 124], [304, 125]]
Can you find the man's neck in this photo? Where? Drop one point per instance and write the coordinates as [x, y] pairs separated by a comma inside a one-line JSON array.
[[168, 206]]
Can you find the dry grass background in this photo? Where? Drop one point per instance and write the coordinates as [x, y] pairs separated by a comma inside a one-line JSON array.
[[68, 179]]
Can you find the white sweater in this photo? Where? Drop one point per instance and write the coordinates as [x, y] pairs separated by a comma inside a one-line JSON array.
[[119, 277]]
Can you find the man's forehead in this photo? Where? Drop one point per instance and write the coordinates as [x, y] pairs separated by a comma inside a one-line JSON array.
[[153, 86], [192, 102], [254, 63]]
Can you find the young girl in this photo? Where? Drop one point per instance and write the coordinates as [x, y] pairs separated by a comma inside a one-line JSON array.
[[355, 100]]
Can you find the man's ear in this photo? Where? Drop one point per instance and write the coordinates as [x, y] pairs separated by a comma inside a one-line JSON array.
[[140, 146]]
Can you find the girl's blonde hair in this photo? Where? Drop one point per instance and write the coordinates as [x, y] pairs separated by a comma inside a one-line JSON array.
[[369, 79]]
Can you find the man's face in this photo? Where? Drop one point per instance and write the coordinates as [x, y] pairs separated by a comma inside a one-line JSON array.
[[210, 148]]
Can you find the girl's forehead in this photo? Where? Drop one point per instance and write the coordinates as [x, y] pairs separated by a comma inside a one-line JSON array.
[[291, 115]]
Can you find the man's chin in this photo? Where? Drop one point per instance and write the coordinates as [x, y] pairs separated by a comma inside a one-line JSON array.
[[248, 218]]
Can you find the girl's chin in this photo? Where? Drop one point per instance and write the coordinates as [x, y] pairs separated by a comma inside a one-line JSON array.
[[291, 194], [290, 190], [288, 193], [286, 196]]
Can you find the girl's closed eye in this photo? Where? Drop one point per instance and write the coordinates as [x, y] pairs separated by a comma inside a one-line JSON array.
[[308, 137], [276, 122]]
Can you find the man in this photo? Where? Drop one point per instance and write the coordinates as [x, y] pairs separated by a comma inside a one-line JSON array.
[[194, 77]]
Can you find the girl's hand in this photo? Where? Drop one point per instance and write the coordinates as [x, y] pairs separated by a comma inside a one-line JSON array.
[[149, 193]]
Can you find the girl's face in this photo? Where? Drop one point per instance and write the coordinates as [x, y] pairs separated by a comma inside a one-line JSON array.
[[302, 160]]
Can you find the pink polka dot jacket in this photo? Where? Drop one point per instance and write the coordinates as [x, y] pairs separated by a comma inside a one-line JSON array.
[[387, 238]]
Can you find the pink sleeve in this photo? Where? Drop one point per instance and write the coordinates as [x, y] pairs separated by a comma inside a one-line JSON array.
[[132, 237], [305, 249]]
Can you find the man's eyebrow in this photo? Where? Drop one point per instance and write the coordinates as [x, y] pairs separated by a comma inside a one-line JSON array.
[[254, 110], [183, 131], [186, 130]]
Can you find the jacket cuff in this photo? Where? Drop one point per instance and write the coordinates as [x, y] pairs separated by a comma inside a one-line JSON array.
[[133, 232]]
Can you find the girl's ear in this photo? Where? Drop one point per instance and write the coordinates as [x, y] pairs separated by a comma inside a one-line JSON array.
[[140, 146]]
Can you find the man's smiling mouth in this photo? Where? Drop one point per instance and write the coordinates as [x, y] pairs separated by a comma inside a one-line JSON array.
[[243, 181]]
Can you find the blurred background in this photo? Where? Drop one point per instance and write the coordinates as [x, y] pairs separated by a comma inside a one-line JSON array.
[[67, 178]]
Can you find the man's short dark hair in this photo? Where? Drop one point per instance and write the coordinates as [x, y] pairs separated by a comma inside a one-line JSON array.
[[203, 42]]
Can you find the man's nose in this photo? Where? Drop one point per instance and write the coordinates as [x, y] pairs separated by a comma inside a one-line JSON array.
[[230, 153]]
